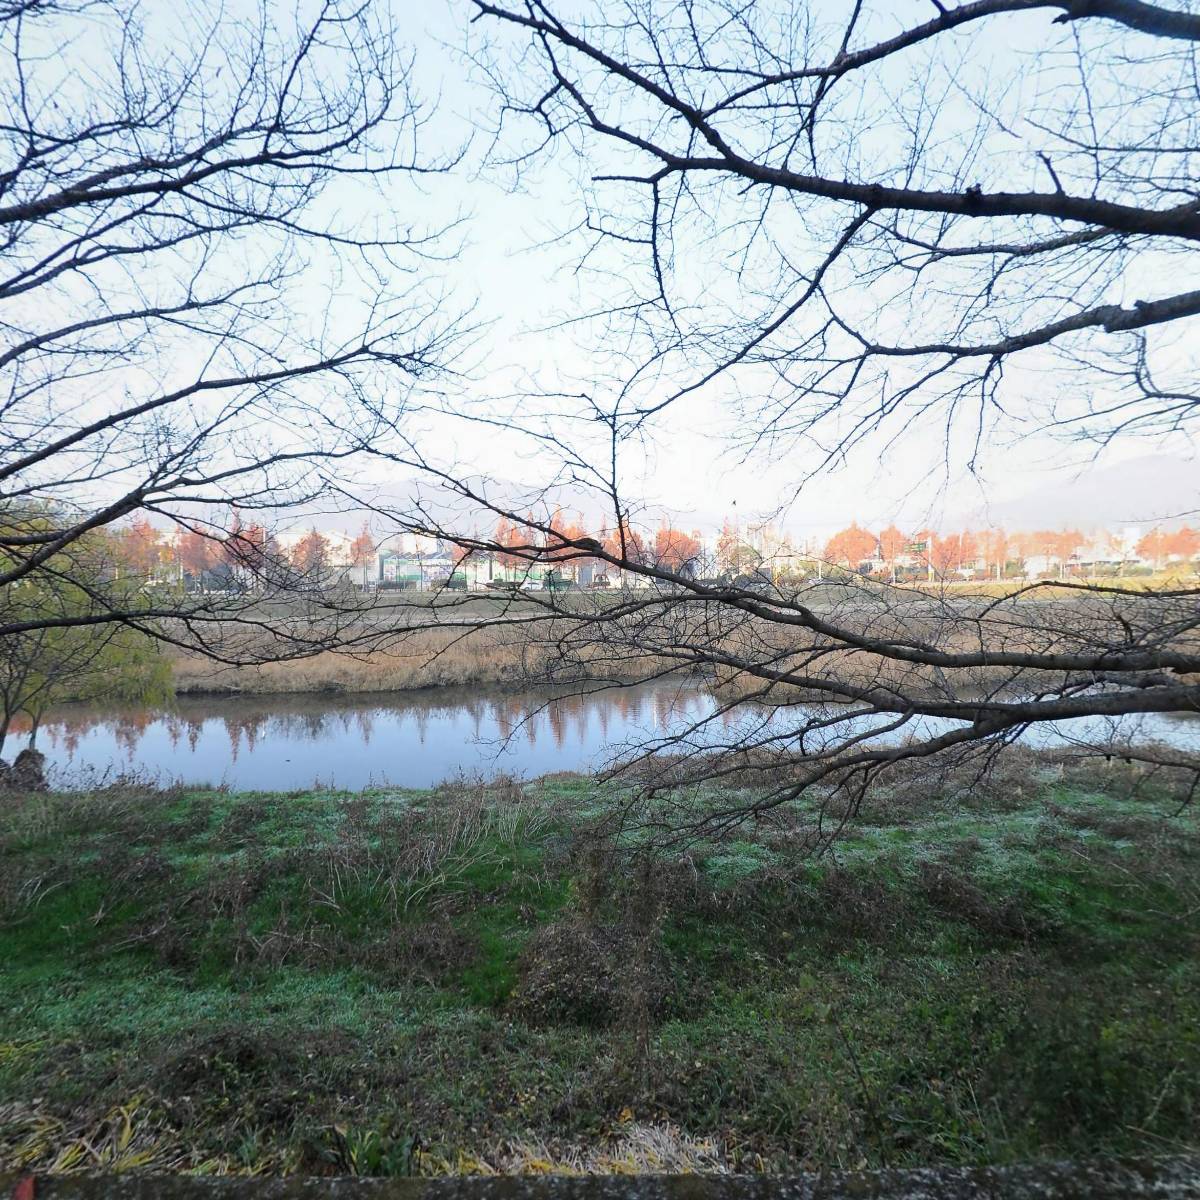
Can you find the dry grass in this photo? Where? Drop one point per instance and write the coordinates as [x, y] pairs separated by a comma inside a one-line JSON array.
[[132, 1137], [428, 659], [635, 1149], [581, 643], [127, 1138]]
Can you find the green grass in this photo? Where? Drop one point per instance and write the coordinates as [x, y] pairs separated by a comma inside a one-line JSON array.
[[411, 980]]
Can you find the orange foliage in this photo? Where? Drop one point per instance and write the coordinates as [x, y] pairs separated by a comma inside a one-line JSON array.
[[311, 553], [1160, 545], [362, 549], [953, 552], [197, 553], [509, 533], [247, 545], [141, 547], [993, 547], [1184, 542], [850, 546], [625, 543], [1068, 543], [674, 550], [892, 544]]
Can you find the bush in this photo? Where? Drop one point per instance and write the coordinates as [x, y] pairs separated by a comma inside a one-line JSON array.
[[577, 973]]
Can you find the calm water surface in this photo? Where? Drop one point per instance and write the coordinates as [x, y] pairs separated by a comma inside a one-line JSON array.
[[412, 738], [406, 738]]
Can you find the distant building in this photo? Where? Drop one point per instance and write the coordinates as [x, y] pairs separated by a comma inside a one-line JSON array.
[[339, 567], [419, 545], [403, 570], [397, 569]]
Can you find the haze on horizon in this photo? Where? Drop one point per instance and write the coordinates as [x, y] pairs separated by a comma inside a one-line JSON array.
[[511, 267], [518, 272]]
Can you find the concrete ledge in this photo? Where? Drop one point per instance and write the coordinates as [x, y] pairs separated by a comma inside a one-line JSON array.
[[1162, 1179]]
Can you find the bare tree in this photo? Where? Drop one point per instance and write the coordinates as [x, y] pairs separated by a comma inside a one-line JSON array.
[[854, 228], [204, 262], [901, 227]]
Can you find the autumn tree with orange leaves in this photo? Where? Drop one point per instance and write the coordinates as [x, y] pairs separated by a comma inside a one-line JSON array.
[[362, 549], [624, 542], [892, 545], [196, 552], [141, 548], [952, 552], [1067, 545], [1152, 546], [311, 554], [993, 551], [1160, 546], [677, 551], [563, 544], [1184, 544], [851, 546], [509, 533], [248, 548], [562, 531]]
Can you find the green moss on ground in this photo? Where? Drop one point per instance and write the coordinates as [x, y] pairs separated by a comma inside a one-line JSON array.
[[402, 980]]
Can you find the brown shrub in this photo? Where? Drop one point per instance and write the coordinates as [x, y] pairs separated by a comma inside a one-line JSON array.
[[241, 821], [430, 950], [576, 973], [954, 895], [856, 905]]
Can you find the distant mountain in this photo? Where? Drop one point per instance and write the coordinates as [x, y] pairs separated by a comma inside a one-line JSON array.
[[1138, 491]]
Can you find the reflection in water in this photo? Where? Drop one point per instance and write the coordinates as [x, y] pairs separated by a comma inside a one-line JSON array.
[[413, 739]]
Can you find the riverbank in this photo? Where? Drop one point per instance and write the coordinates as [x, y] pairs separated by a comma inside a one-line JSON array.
[[434, 659], [481, 658], [480, 979]]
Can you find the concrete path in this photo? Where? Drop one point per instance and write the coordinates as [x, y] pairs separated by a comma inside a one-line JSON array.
[[1160, 1179]]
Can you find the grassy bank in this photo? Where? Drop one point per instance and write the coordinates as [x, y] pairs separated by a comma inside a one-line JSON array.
[[426, 659], [423, 659], [397, 644], [473, 979]]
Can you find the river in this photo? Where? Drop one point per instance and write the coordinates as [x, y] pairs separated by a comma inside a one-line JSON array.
[[413, 739]]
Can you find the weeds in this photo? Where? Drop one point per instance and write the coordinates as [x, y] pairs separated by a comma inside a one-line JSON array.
[[479, 979], [436, 658]]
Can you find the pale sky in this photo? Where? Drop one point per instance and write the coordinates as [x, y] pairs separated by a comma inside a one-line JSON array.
[[522, 285], [517, 274]]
